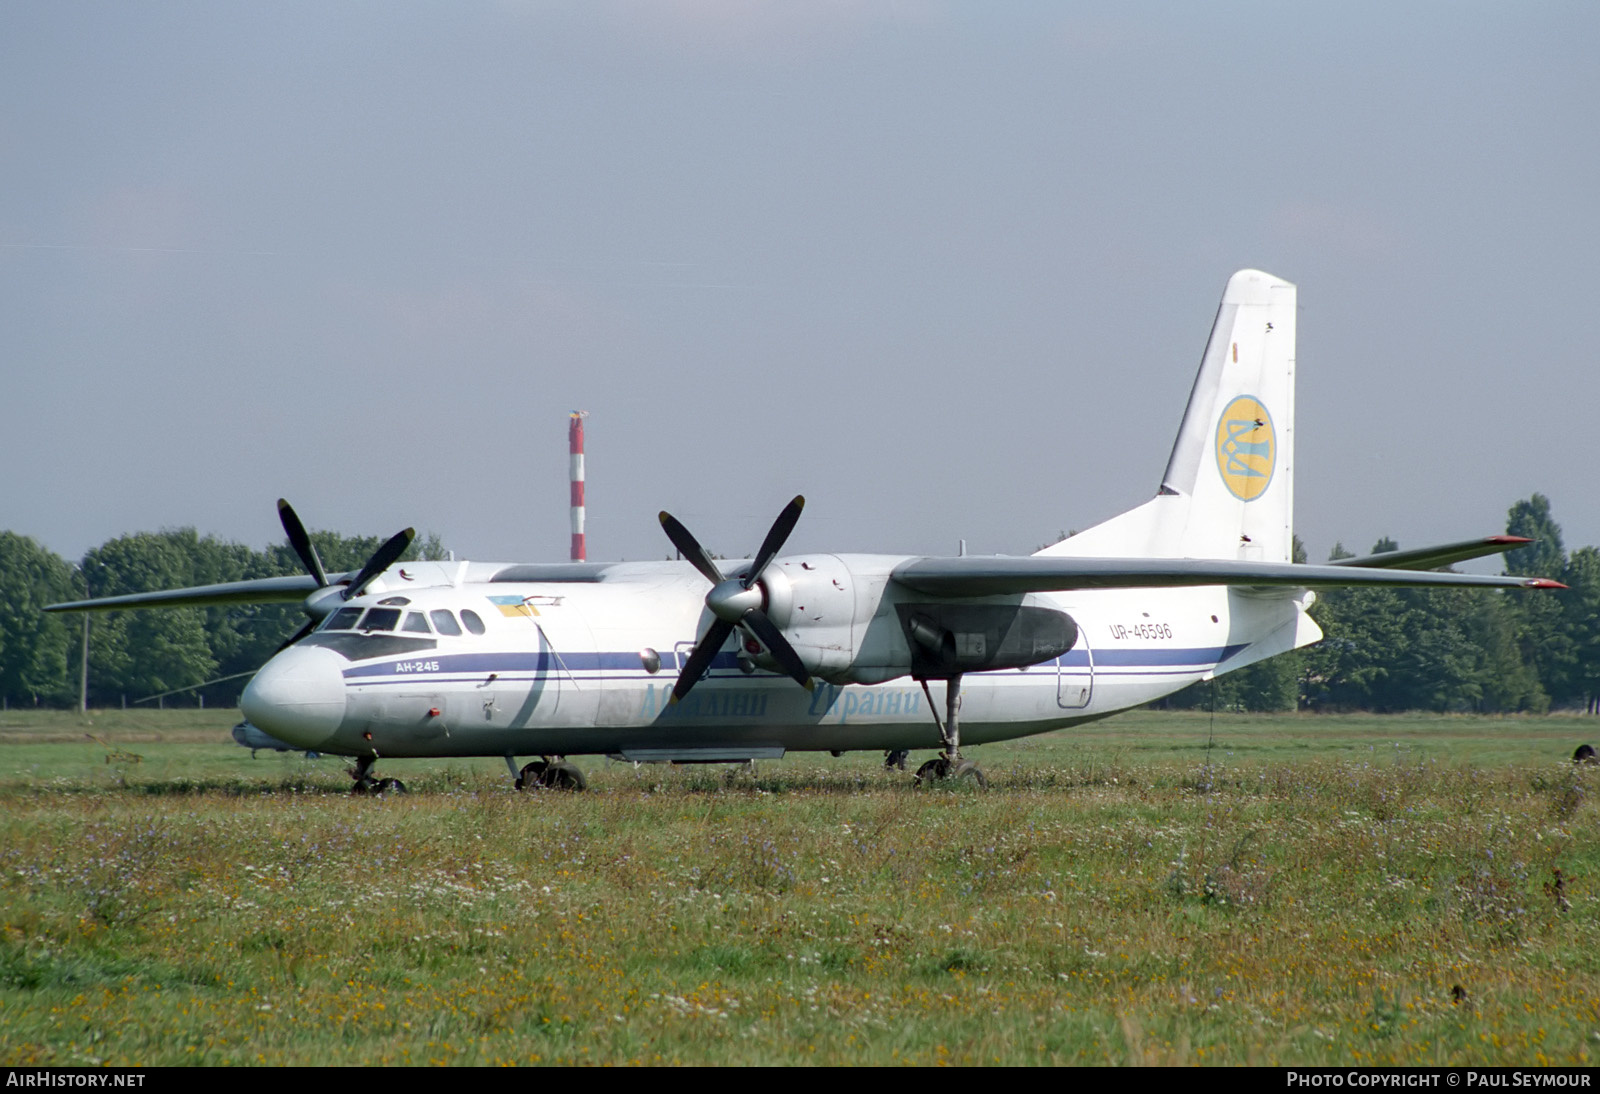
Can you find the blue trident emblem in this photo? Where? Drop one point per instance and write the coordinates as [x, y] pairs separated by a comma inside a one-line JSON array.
[[1236, 449]]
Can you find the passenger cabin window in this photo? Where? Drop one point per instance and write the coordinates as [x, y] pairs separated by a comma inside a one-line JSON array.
[[342, 620], [470, 620], [417, 623], [395, 601], [444, 622], [381, 619]]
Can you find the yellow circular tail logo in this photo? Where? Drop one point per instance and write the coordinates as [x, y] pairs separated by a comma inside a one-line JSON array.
[[1247, 448]]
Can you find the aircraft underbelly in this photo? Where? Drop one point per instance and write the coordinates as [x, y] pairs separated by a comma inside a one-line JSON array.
[[549, 714]]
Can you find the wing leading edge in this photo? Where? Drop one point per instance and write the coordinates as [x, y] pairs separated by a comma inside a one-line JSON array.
[[263, 590]]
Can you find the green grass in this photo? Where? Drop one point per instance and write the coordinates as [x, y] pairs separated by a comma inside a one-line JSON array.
[[1306, 890]]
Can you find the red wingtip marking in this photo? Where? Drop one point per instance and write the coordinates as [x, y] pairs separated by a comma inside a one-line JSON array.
[[1509, 539], [1546, 583]]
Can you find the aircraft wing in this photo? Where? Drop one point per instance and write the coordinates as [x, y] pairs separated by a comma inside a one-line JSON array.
[[977, 576], [261, 590], [1428, 558]]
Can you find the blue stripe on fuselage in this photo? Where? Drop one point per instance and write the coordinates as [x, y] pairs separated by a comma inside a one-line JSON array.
[[544, 661]]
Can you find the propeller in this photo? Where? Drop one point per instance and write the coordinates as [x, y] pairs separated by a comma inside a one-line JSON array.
[[381, 560], [300, 540], [316, 605], [737, 601]]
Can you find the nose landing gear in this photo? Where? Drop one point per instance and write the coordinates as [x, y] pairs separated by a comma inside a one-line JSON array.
[[365, 783]]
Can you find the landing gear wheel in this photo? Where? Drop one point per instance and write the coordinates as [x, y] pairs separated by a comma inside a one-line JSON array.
[[368, 785], [895, 759], [943, 768], [968, 770], [1584, 755], [562, 775], [551, 775]]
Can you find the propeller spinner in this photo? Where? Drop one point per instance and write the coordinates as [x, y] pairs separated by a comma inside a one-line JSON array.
[[737, 601]]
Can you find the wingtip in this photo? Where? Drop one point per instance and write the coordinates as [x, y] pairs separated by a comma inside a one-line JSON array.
[[1544, 583]]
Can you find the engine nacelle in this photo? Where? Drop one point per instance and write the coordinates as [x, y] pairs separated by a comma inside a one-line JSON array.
[[850, 624], [812, 600]]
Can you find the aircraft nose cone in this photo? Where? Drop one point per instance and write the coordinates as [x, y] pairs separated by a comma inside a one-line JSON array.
[[298, 696]]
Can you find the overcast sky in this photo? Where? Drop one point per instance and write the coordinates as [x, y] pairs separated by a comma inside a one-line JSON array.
[[945, 268]]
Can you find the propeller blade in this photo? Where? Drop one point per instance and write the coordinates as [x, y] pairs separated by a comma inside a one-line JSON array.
[[381, 560], [690, 548], [778, 645], [301, 542], [776, 535], [299, 634], [700, 657]]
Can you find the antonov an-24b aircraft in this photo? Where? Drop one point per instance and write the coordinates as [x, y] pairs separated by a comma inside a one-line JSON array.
[[707, 661]]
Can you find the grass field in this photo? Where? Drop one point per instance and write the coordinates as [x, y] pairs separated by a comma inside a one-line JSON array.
[[1362, 889]]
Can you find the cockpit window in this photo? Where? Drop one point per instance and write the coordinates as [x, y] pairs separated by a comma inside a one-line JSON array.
[[342, 620], [470, 620], [417, 623], [381, 619], [444, 622]]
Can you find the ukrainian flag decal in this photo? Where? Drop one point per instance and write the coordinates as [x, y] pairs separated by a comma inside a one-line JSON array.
[[1247, 448], [514, 606]]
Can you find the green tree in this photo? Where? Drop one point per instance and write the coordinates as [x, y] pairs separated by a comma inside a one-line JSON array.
[[1544, 557], [1580, 620], [1364, 632], [138, 653], [1505, 679], [1544, 641], [34, 647]]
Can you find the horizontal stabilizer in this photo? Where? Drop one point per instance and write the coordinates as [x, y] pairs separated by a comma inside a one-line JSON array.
[[972, 576], [262, 590], [1428, 558]]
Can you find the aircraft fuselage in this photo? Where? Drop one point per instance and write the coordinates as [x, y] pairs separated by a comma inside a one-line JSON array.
[[588, 666]]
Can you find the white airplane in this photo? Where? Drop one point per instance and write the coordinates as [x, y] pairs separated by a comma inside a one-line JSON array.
[[701, 661]]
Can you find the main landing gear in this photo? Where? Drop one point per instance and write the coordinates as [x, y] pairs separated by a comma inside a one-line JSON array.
[[548, 774], [949, 763], [365, 783]]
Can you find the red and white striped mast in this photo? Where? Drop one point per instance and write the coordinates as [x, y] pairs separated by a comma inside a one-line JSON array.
[[575, 448]]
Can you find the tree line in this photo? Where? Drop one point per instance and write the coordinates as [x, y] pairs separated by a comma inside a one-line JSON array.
[[138, 655], [1479, 650], [1483, 650]]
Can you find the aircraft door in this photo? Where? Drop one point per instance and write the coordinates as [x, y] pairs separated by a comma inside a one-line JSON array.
[[1075, 674]]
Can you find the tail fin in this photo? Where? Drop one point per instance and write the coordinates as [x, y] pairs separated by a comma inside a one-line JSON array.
[[1228, 491]]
